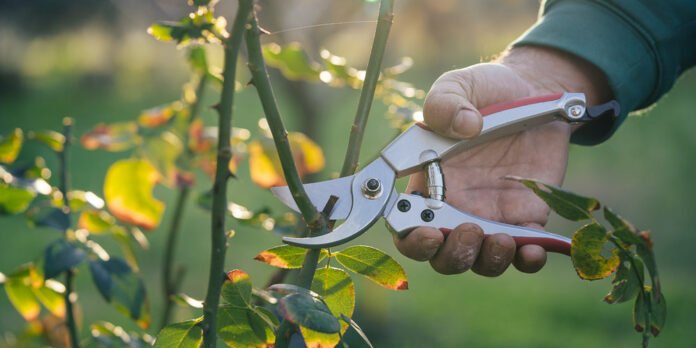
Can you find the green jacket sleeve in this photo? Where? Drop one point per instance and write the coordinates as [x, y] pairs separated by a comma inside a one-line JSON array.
[[642, 46]]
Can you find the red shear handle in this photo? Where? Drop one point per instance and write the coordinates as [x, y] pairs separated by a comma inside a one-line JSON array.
[[491, 109], [549, 244]]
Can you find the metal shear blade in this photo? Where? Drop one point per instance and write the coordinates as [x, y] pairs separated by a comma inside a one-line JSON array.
[[359, 210], [319, 193]]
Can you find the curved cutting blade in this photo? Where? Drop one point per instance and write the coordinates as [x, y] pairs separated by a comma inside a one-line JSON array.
[[319, 194], [365, 210]]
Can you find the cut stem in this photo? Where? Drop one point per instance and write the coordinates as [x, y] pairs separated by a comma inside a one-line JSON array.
[[63, 157], [170, 286], [367, 94], [222, 174]]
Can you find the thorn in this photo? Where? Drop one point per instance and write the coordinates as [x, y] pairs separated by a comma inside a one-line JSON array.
[[250, 82], [216, 107], [232, 175]]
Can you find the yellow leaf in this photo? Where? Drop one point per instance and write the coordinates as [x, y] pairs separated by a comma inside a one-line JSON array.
[[264, 163], [311, 157], [10, 146], [128, 192], [263, 171]]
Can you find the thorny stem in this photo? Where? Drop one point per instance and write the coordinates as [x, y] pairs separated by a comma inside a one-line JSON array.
[[261, 81], [170, 285], [69, 274], [367, 94], [316, 222], [222, 174]]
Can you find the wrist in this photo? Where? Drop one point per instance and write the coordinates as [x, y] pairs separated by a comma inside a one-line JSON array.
[[549, 70]]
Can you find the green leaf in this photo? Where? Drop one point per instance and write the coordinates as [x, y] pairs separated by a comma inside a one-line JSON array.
[[566, 204], [337, 73], [113, 137], [198, 27], [14, 200], [21, 295], [124, 242], [658, 314], [161, 31], [236, 290], [187, 301], [56, 218], [616, 221], [61, 256], [198, 60], [35, 169], [286, 256], [128, 192], [309, 312], [375, 265], [186, 334], [292, 61], [79, 200], [243, 327], [205, 200], [96, 221], [627, 282], [162, 152], [51, 296], [267, 316], [645, 252], [338, 291], [50, 138], [640, 312], [122, 288], [586, 252], [10, 146]]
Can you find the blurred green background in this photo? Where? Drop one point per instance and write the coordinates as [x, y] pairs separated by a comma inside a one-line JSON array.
[[92, 60]]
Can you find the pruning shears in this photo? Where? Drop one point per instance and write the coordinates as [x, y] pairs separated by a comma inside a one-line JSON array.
[[369, 194]]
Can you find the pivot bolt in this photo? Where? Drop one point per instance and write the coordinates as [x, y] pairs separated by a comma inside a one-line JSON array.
[[427, 215], [576, 111], [403, 205], [372, 188]]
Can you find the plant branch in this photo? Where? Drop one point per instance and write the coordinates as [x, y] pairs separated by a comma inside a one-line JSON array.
[[315, 221], [170, 286], [222, 174], [367, 94], [261, 81], [260, 77], [69, 274]]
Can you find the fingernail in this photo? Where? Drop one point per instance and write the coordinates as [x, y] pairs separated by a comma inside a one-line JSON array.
[[466, 123]]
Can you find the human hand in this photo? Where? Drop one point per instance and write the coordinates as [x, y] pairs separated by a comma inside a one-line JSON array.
[[473, 177]]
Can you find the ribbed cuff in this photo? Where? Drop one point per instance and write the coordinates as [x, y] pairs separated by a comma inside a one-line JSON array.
[[596, 33]]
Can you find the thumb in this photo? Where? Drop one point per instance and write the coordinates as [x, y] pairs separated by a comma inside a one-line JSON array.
[[451, 106], [448, 109]]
